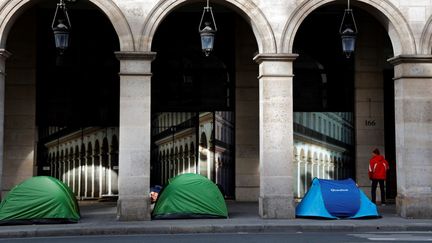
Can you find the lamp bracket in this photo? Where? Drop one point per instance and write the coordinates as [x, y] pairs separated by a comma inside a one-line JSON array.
[[348, 12], [207, 9], [62, 7]]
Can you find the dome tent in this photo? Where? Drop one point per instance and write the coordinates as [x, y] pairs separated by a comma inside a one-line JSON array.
[[334, 199], [190, 196], [40, 199]]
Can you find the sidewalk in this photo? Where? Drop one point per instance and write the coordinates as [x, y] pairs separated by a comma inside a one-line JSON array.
[[100, 219]]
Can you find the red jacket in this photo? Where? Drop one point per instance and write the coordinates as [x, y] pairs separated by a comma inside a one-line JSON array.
[[378, 167]]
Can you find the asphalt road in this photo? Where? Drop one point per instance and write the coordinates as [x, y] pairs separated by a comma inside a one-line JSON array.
[[243, 238]]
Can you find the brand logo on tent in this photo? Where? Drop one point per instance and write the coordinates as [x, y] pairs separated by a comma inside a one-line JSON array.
[[339, 190]]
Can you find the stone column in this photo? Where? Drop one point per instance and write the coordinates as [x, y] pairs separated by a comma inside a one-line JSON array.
[[276, 135], [102, 180], [108, 173], [413, 115], [81, 173], [90, 173], [3, 56], [135, 135]]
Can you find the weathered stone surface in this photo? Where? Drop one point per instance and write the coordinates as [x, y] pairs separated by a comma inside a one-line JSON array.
[[413, 139], [276, 136], [415, 206], [369, 101], [135, 134], [263, 109], [133, 208], [19, 105], [276, 207]]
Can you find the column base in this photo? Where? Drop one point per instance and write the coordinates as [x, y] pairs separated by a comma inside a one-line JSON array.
[[133, 208], [276, 207], [419, 206]]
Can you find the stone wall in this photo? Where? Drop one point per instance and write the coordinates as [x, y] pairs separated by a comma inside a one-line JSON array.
[[20, 103], [370, 61], [247, 115]]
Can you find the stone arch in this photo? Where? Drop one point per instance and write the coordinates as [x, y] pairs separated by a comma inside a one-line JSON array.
[[309, 156], [11, 10], [186, 150], [176, 161], [83, 150], [302, 155], [296, 153], [171, 154], [96, 147], [181, 160], [192, 148], [89, 149], [247, 9], [114, 151], [426, 38], [60, 163], [61, 156], [114, 144], [203, 140], [104, 152], [389, 16], [76, 152]]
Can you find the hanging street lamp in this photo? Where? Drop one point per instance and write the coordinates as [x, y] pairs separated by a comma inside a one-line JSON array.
[[61, 27], [207, 32], [348, 31]]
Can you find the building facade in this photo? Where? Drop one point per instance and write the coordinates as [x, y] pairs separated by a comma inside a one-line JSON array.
[[132, 59], [86, 160], [200, 143], [323, 146]]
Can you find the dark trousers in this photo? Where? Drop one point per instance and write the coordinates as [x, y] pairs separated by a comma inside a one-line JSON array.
[[374, 187]]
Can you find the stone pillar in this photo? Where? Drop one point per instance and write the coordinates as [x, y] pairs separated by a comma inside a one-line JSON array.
[[3, 56], [81, 175], [101, 173], [276, 135], [90, 174], [108, 173], [135, 135], [413, 115]]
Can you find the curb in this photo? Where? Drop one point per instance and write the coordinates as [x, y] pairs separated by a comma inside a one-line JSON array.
[[262, 228]]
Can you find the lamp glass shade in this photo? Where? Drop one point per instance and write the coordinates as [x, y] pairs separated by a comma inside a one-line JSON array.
[[61, 37], [348, 41], [207, 40]]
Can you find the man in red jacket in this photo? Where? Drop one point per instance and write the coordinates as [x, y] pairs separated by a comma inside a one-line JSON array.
[[378, 167]]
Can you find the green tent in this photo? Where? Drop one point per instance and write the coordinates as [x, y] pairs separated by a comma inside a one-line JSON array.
[[190, 196], [40, 199]]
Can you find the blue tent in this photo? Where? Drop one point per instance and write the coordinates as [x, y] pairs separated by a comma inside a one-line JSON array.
[[336, 199]]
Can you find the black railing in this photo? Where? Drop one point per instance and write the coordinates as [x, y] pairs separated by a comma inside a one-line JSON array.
[[319, 136], [169, 131]]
